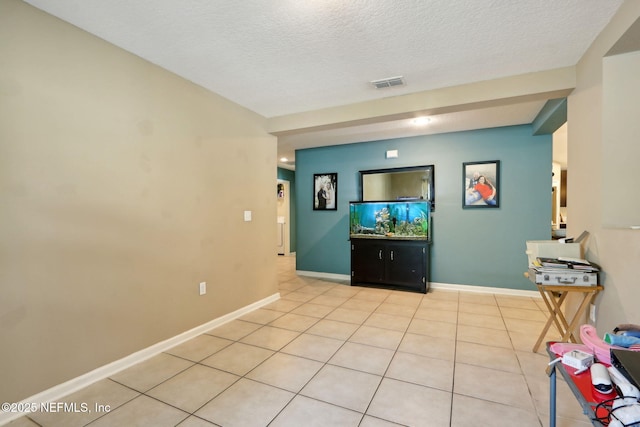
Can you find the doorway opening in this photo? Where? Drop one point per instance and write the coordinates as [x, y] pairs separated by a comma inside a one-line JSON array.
[[559, 184], [283, 220]]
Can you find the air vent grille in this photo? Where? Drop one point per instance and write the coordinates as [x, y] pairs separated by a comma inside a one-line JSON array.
[[388, 82]]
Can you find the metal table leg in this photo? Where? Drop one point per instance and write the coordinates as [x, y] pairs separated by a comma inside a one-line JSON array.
[[552, 395]]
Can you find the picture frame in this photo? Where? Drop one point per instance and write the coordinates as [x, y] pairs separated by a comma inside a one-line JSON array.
[[325, 191], [481, 184]]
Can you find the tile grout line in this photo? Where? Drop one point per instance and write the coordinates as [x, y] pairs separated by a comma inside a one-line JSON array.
[[327, 362], [395, 352], [455, 354], [324, 363]]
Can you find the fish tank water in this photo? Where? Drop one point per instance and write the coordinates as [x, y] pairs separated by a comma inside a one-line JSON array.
[[405, 219]]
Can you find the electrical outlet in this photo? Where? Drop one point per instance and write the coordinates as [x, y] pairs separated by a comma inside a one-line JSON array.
[[203, 288], [592, 312]]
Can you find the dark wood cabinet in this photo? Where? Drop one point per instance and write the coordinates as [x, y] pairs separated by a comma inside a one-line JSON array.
[[367, 261], [397, 263]]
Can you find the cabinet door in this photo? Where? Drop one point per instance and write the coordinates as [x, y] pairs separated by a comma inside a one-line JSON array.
[[367, 262], [406, 265]]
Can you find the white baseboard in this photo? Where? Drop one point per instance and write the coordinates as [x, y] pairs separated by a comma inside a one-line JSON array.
[[321, 275], [485, 290], [61, 390], [434, 285]]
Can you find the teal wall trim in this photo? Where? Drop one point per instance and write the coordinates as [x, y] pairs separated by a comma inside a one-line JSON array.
[[481, 247], [289, 175], [551, 117]]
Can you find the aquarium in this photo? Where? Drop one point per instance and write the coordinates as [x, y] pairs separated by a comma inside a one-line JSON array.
[[392, 219]]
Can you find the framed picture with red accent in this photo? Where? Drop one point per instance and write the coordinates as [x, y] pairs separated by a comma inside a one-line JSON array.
[[481, 184]]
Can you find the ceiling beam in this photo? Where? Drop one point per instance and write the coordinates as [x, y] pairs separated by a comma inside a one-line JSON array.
[[542, 85], [551, 117]]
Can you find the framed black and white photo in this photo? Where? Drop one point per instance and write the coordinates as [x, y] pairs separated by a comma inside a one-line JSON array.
[[325, 191], [481, 184]]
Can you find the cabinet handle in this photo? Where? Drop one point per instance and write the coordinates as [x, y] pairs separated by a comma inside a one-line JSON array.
[[380, 254], [391, 255]]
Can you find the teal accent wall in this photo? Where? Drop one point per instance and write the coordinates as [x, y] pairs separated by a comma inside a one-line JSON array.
[[481, 247], [289, 175]]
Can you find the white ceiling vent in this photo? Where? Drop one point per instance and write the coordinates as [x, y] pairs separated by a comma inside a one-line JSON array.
[[388, 82]]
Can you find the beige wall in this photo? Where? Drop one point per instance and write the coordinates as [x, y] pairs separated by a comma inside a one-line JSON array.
[[122, 187], [621, 128], [617, 250]]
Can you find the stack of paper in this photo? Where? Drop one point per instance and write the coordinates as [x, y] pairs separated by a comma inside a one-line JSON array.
[[566, 263]]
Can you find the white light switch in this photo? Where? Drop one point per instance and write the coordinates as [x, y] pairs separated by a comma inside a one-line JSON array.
[[247, 215], [203, 288]]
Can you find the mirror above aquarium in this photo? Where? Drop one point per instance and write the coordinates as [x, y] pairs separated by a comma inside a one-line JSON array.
[[410, 183], [402, 220]]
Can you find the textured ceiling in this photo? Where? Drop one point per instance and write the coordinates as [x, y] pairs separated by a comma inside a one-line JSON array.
[[279, 57]]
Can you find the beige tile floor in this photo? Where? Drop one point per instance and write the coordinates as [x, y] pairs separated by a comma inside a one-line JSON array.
[[328, 354]]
